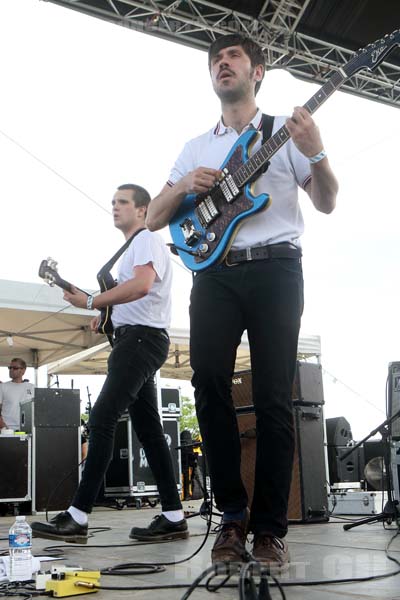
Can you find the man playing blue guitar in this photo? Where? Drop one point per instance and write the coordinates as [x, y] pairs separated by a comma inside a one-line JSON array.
[[257, 286], [141, 313]]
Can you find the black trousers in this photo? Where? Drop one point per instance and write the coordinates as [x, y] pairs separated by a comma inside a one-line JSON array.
[[136, 356], [266, 298]]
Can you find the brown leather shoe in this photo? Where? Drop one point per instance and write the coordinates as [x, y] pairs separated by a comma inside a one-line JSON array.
[[230, 545], [271, 551]]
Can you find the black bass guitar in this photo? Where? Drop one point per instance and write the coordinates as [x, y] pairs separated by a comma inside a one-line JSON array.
[[48, 271], [204, 225]]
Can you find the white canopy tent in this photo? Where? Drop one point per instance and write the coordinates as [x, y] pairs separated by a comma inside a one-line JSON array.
[[177, 365], [36, 324]]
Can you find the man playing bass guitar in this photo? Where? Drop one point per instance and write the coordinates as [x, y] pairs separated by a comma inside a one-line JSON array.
[[141, 313], [258, 287]]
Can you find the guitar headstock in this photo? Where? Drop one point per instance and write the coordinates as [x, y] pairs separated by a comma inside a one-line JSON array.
[[48, 271], [373, 54]]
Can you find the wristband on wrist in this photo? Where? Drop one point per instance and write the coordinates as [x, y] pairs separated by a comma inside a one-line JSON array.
[[317, 157], [89, 302]]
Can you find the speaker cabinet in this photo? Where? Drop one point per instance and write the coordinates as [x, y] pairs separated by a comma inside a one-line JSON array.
[[345, 470], [15, 468], [338, 432], [338, 437], [53, 419], [307, 387], [308, 500], [394, 398]]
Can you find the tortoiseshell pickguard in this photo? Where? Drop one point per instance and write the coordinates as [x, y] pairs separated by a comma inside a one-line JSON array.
[[228, 210]]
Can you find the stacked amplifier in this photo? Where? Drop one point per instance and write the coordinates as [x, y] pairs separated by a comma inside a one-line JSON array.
[[129, 475], [308, 500], [52, 420]]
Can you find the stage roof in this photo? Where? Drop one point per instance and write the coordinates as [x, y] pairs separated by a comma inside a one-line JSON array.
[[310, 38]]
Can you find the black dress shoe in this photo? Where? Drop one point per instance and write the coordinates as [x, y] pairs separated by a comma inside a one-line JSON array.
[[61, 527], [160, 529]]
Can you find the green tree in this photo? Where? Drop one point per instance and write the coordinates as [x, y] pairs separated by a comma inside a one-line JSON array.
[[188, 418]]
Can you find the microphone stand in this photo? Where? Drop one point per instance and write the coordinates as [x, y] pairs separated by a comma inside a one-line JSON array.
[[390, 511], [206, 506], [88, 407]]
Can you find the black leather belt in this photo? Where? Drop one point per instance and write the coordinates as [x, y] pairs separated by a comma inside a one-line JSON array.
[[119, 331], [284, 250]]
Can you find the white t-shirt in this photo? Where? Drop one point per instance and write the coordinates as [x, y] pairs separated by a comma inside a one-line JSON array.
[[154, 309], [11, 396], [288, 170]]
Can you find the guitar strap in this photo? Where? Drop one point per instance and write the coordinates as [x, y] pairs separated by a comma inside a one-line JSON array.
[[106, 282], [109, 265], [267, 125]]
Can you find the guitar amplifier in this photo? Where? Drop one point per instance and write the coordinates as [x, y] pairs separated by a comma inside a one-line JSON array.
[[308, 500], [307, 386]]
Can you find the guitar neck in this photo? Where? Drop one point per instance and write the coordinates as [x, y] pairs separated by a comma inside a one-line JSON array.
[[274, 143], [67, 286]]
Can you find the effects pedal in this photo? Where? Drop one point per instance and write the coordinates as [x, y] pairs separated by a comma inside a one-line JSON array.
[[73, 583]]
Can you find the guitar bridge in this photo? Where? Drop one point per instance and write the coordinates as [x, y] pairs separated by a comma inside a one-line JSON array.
[[190, 234]]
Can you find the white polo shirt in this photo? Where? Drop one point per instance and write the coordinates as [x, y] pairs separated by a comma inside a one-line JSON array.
[[154, 309], [288, 170]]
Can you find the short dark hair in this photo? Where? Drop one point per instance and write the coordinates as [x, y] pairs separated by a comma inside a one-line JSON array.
[[20, 361], [141, 197], [251, 48]]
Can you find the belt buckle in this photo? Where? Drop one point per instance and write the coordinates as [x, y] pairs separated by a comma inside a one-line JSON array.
[[228, 264]]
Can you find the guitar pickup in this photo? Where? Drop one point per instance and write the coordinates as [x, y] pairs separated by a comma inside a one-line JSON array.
[[206, 211], [228, 187]]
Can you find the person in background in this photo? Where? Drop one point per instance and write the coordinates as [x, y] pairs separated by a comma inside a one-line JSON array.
[[12, 393]]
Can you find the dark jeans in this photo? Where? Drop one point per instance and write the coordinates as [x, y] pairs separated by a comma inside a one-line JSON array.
[[135, 358], [266, 298]]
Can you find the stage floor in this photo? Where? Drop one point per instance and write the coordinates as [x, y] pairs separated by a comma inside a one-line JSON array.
[[319, 552]]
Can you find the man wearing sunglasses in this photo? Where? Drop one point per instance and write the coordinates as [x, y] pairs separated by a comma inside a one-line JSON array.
[[13, 393]]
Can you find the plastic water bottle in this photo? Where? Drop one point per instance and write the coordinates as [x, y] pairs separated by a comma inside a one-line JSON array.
[[20, 545]]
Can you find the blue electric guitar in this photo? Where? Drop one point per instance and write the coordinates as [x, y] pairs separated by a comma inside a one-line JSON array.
[[204, 225]]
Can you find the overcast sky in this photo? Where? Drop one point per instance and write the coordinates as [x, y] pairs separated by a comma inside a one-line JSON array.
[[102, 105]]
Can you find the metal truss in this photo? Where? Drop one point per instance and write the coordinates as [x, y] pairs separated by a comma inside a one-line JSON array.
[[197, 23]]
